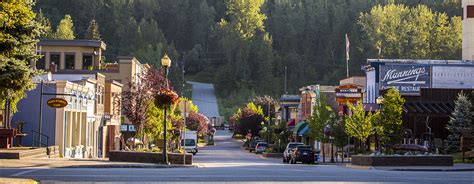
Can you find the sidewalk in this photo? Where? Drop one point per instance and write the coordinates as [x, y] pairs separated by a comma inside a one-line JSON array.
[[454, 168], [16, 180], [79, 163]]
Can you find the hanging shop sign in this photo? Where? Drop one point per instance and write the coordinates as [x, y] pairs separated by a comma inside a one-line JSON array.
[[408, 79], [348, 94], [57, 102]]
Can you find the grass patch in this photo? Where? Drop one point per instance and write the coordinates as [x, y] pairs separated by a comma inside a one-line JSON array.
[[458, 158]]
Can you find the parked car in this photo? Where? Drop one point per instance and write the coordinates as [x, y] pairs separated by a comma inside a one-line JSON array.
[[289, 147], [302, 154], [253, 143], [260, 147]]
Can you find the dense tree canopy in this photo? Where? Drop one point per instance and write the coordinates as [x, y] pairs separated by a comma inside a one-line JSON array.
[[243, 46], [19, 30]]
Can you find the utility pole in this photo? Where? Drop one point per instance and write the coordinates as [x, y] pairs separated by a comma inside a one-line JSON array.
[[269, 120], [40, 123], [286, 89], [184, 117]]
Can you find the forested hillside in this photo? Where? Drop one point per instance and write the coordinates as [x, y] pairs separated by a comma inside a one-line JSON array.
[[243, 46]]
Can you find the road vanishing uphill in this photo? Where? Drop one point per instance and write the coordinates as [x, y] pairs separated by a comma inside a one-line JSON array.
[[227, 162], [205, 98]]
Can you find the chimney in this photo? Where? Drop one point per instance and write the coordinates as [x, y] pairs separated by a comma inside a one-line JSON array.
[[53, 68]]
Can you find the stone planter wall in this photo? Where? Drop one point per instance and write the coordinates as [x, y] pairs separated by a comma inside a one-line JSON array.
[[273, 155], [402, 160], [148, 157]]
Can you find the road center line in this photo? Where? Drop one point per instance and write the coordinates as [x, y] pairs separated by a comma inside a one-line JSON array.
[[23, 172]]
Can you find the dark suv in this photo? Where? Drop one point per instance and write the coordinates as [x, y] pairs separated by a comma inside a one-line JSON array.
[[302, 154]]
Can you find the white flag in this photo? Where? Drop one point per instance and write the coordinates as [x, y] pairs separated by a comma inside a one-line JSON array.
[[348, 43]]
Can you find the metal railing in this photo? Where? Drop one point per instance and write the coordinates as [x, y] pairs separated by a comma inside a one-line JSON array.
[[38, 143]]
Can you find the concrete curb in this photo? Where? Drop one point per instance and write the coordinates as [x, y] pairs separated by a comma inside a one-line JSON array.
[[435, 170], [130, 166], [17, 180], [410, 169]]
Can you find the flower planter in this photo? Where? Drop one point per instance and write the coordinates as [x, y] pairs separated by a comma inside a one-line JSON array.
[[273, 155], [402, 160], [165, 98], [148, 157]]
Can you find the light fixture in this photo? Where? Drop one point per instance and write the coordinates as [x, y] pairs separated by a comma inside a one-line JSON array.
[[166, 61], [379, 100]]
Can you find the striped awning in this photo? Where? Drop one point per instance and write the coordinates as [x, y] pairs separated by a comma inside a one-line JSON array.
[[428, 107], [303, 132]]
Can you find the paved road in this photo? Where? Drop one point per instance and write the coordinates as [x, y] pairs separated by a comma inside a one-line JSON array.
[[205, 98], [226, 162]]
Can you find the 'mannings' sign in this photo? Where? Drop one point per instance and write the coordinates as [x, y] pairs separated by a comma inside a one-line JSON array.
[[407, 79]]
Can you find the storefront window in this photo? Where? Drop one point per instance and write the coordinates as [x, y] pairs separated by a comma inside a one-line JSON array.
[[1, 118], [40, 64], [87, 61], [70, 60], [55, 58]]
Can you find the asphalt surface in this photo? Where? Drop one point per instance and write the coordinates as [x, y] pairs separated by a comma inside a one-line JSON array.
[[205, 98], [227, 162]]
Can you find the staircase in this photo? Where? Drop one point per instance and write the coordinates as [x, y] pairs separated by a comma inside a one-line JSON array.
[[48, 152], [30, 153]]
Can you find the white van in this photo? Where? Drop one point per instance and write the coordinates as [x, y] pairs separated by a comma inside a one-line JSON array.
[[189, 142]]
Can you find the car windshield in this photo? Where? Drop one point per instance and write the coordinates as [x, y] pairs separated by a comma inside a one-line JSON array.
[[262, 144], [189, 142]]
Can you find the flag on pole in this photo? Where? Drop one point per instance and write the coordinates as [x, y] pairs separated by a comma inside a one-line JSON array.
[[348, 43]]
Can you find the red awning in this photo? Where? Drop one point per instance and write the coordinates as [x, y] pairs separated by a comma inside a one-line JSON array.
[[291, 123]]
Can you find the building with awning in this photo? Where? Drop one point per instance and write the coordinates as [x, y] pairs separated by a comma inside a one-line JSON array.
[[429, 88], [289, 108], [426, 116], [303, 132], [300, 132], [291, 123]]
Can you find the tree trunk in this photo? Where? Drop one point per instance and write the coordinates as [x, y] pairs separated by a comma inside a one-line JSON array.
[[324, 155]]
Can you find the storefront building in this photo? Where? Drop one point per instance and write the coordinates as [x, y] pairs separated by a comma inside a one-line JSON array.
[[112, 115], [429, 88], [68, 127]]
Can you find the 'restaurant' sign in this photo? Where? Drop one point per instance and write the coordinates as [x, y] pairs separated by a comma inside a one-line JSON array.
[[408, 79], [57, 102]]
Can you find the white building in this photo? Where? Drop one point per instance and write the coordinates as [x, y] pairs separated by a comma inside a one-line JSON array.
[[468, 30]]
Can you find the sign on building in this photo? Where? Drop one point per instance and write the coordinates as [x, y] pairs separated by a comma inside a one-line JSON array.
[[348, 94], [457, 77], [408, 79], [57, 102]]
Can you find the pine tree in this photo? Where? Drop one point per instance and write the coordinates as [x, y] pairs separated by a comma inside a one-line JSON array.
[[93, 31], [460, 121], [46, 31], [65, 29], [18, 37]]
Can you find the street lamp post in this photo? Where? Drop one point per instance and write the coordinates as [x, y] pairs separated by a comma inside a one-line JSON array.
[[165, 63], [379, 102], [328, 132]]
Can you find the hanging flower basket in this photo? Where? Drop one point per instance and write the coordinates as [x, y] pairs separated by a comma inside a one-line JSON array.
[[165, 98]]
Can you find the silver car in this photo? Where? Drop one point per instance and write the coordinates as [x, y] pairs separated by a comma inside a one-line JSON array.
[[289, 147]]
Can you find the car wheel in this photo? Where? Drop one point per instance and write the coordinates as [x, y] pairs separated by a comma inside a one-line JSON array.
[[194, 153]]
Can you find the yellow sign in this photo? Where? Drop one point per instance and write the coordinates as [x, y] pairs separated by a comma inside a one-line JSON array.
[[57, 102]]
